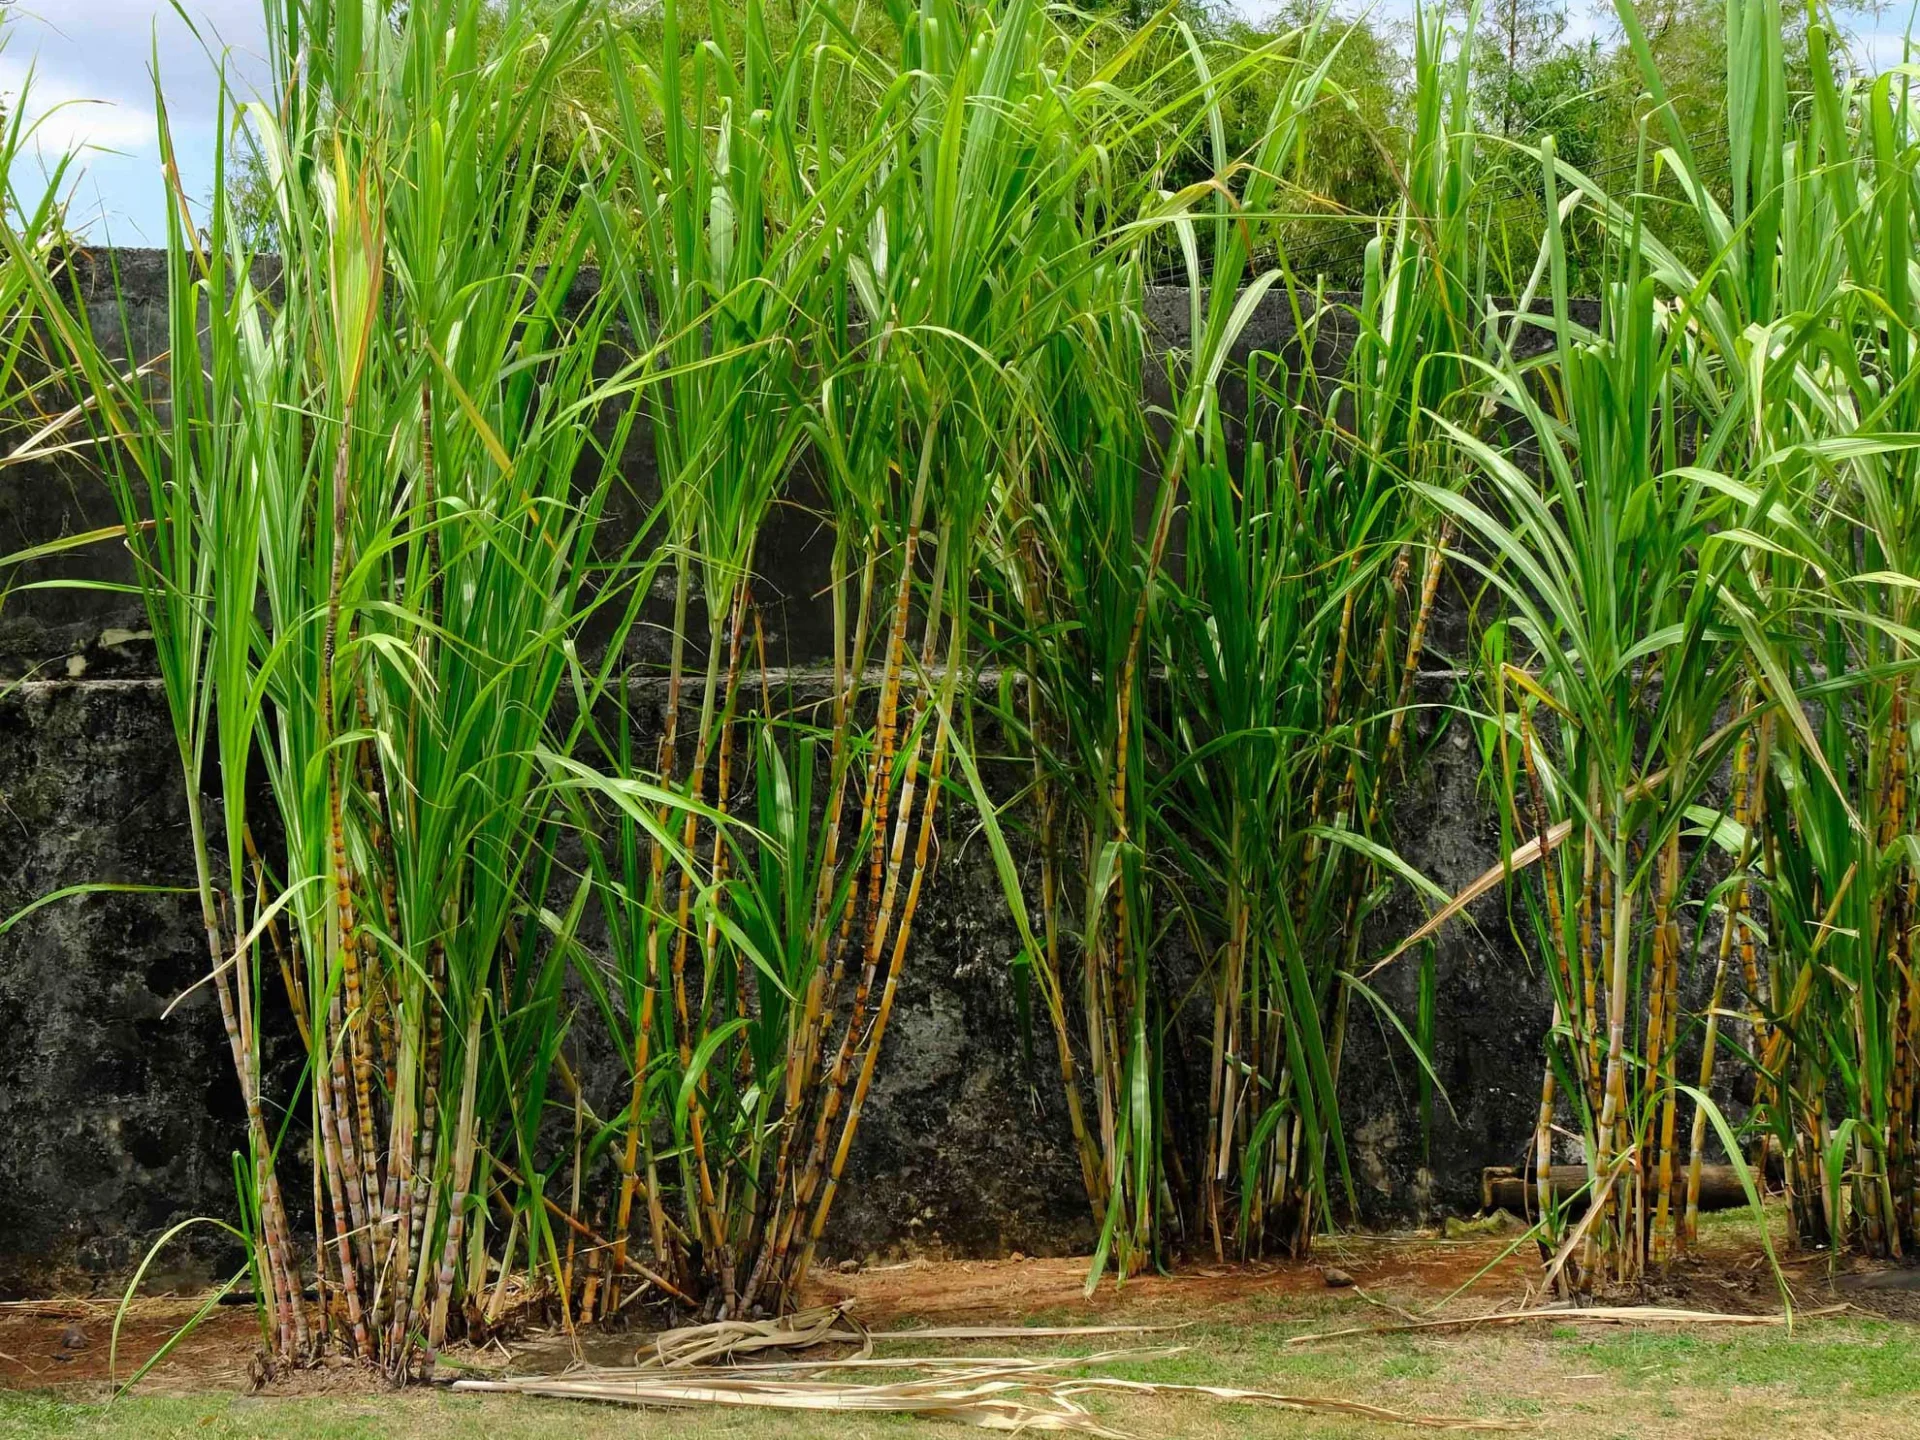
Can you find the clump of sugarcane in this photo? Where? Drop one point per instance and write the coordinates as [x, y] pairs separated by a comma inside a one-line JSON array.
[[1257, 765], [1826, 834], [1067, 588], [1615, 753], [1419, 322], [1290, 738], [759, 964], [755, 1005], [963, 410], [921, 418], [1835, 1001], [1838, 864], [185, 518], [1608, 736], [375, 606], [1836, 1038], [452, 580], [1260, 611]]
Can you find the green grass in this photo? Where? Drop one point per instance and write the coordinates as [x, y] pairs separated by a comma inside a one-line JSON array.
[[1864, 1360], [1831, 1376], [362, 1418]]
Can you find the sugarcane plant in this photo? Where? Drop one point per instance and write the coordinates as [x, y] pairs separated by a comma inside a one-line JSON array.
[[1080, 598], [1677, 591], [365, 539], [1830, 842], [1797, 363], [447, 791], [1245, 693], [1618, 655], [1316, 581], [732, 242], [852, 257]]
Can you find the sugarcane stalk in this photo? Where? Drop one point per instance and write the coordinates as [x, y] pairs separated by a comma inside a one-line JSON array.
[[275, 1235], [1592, 896], [410, 1290], [1543, 1132], [232, 983], [1416, 646], [473, 1276], [1056, 1007], [352, 1176], [390, 1295], [888, 723], [373, 785], [876, 1035], [876, 807], [320, 1215], [712, 1225], [716, 874], [1892, 937], [717, 862], [327, 1072], [385, 1197], [1117, 786], [643, 1025], [1669, 943], [464, 1146], [359, 1153], [573, 1197], [806, 1044], [1222, 1073], [1556, 919], [1619, 920], [1646, 1154], [1745, 809], [1549, 866], [1099, 1062], [1047, 805]]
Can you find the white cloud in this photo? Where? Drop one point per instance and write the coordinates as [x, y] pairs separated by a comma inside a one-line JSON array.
[[1878, 50], [65, 117], [90, 66]]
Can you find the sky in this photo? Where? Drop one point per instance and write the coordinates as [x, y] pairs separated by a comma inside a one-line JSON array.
[[92, 62]]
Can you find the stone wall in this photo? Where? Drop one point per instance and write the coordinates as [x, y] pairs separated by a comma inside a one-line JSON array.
[[116, 1121]]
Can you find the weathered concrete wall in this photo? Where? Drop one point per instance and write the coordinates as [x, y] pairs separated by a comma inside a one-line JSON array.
[[116, 1122]]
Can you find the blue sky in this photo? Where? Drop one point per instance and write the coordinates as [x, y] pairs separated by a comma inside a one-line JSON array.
[[92, 62]]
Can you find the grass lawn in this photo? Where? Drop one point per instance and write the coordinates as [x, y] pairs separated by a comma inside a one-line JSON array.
[[1834, 1376]]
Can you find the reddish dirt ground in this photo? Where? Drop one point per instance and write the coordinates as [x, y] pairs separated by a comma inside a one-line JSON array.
[[46, 1343], [65, 1344], [955, 1291]]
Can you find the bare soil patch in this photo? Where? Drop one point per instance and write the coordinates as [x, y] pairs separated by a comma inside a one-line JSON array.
[[1845, 1373], [64, 1344], [68, 1343], [1012, 1290]]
